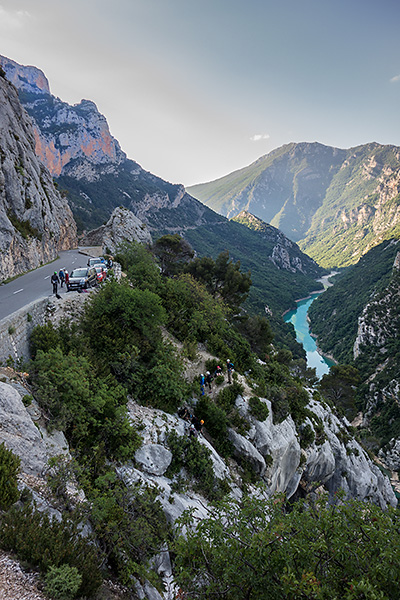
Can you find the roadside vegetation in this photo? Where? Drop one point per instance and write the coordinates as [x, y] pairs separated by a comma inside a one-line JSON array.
[[83, 376]]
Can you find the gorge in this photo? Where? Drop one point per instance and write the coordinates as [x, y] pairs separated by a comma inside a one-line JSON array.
[[101, 419]]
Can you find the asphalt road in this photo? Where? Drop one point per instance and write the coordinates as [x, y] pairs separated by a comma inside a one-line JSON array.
[[36, 284]]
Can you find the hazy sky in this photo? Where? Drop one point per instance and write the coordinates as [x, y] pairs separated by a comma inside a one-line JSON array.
[[194, 89]]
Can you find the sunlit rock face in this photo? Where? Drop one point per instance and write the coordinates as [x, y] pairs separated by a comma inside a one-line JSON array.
[[35, 219], [63, 133]]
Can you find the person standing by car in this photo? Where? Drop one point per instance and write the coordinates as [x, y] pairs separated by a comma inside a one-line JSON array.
[[66, 278], [55, 281], [61, 276]]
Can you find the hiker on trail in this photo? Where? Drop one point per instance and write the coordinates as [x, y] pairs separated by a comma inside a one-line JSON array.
[[198, 424], [192, 431], [208, 380], [218, 371], [202, 382], [55, 281], [61, 276], [184, 413], [229, 367]]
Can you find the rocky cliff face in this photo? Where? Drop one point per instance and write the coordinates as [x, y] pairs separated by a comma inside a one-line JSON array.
[[75, 144], [63, 133], [35, 220], [121, 227], [285, 254], [377, 344]]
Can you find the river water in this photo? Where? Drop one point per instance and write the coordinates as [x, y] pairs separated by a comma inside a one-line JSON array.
[[298, 318]]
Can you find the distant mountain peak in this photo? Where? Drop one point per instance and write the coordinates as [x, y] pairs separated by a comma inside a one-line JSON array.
[[25, 78], [336, 203]]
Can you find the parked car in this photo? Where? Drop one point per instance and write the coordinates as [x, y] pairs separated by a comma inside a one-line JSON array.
[[92, 262], [82, 278], [101, 273]]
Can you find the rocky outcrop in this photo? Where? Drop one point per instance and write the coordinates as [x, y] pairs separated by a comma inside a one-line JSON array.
[[23, 431], [35, 220], [63, 133], [122, 226], [334, 460], [284, 253]]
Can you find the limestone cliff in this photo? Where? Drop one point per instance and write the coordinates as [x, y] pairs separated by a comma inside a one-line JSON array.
[[121, 227], [35, 220], [284, 253], [63, 133], [76, 145]]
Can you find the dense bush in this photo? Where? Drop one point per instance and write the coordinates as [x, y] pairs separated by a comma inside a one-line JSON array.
[[255, 549], [190, 454], [129, 523], [307, 436], [9, 467], [123, 320], [258, 409], [216, 424], [139, 264], [62, 583], [227, 396], [46, 543], [90, 410], [162, 385]]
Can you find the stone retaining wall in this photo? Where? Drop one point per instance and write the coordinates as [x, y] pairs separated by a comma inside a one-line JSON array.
[[16, 329]]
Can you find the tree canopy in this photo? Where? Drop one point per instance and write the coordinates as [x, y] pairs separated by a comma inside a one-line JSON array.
[[256, 549]]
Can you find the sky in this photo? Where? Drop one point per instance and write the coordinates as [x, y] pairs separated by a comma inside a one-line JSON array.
[[196, 89]]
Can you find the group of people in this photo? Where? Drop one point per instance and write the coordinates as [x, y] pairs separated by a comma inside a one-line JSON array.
[[196, 425], [59, 278], [208, 378]]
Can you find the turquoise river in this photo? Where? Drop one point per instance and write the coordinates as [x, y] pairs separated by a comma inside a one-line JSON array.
[[298, 318]]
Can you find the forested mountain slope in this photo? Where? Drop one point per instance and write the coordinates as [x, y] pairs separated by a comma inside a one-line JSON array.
[[358, 321], [337, 204]]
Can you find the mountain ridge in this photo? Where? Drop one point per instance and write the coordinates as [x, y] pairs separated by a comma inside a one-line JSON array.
[[336, 204]]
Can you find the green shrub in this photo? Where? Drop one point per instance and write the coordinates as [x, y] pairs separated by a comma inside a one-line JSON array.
[[219, 380], [162, 385], [9, 467], [258, 409], [44, 543], [126, 320], [27, 399], [129, 522], [216, 424], [280, 404], [227, 396], [91, 411], [307, 436], [43, 337], [195, 458], [62, 583]]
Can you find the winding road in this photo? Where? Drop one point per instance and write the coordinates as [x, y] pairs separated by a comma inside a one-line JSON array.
[[36, 284]]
